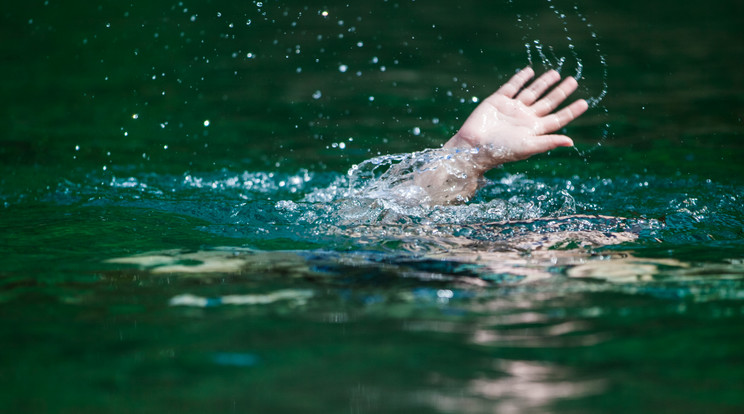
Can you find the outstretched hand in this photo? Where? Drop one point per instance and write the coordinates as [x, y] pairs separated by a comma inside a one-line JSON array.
[[516, 122]]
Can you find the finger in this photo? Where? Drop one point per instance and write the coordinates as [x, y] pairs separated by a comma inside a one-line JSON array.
[[544, 143], [551, 101], [510, 88], [558, 141], [529, 95], [558, 120]]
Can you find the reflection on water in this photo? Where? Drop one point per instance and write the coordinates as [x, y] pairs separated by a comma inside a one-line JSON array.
[[525, 387], [501, 311], [566, 270]]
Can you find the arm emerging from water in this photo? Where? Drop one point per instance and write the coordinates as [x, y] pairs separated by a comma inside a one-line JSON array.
[[513, 124]]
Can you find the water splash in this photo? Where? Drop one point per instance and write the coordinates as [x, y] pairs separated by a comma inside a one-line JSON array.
[[545, 52], [560, 52], [368, 207]]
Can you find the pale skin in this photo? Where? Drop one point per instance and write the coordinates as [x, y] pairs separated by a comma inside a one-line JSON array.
[[515, 123]]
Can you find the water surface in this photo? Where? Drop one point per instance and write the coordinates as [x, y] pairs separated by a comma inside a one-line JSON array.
[[180, 228]]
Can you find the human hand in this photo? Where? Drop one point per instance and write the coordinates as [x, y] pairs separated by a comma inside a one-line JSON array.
[[516, 122]]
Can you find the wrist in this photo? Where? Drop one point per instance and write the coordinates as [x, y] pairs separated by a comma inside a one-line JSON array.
[[481, 157]]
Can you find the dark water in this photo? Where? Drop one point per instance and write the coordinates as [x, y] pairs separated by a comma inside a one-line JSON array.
[[179, 233]]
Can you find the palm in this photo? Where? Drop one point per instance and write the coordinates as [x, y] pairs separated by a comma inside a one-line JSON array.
[[519, 120]]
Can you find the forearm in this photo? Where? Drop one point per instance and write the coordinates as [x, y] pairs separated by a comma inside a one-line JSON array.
[[451, 180], [456, 174], [444, 176]]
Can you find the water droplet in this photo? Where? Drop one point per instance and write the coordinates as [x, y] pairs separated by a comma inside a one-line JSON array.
[[317, 95], [206, 122], [343, 68]]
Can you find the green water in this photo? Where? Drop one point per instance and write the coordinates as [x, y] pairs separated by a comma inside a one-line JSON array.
[[216, 136]]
